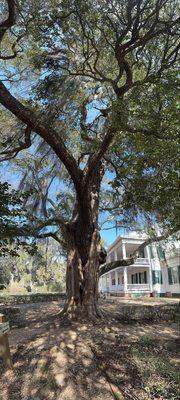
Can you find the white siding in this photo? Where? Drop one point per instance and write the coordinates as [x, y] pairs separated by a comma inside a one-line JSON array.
[[145, 264]]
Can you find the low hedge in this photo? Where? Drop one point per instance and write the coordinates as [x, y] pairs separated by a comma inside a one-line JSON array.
[[31, 298], [149, 313]]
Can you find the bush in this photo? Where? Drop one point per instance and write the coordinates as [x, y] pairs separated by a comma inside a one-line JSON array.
[[16, 288]]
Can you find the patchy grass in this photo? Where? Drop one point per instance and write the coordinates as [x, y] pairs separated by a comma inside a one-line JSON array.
[[154, 362], [57, 360], [143, 366]]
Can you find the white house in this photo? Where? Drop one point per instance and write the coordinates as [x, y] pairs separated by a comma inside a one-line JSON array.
[[155, 272]]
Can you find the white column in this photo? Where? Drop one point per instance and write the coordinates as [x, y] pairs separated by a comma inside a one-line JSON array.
[[115, 255], [150, 279], [116, 277], [148, 253], [149, 270], [125, 279], [108, 283], [123, 250]]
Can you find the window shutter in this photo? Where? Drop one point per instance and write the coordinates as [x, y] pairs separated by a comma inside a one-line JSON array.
[[151, 251], [160, 280], [170, 276], [160, 252], [145, 276], [179, 272], [157, 277], [153, 277]]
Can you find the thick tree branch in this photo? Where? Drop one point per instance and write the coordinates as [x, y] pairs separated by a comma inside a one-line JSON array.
[[154, 239], [84, 126], [12, 153], [120, 91], [152, 33], [109, 161], [48, 134], [35, 231], [93, 161], [54, 235], [35, 235], [49, 222], [13, 49], [5, 25], [115, 264]]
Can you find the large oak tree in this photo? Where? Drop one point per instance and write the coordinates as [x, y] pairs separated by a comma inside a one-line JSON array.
[[99, 80]]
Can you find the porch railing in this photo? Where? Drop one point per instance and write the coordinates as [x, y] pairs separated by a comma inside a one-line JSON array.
[[117, 288], [138, 287], [141, 261]]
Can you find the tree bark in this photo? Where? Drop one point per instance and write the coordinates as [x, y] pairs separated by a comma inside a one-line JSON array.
[[82, 282], [84, 254]]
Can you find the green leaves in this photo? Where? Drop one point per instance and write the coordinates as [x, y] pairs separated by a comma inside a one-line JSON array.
[[92, 68], [12, 219]]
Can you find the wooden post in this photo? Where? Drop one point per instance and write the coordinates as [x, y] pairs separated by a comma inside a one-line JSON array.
[[125, 281], [4, 345], [123, 251]]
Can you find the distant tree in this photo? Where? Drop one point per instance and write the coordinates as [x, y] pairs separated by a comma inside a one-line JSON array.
[[47, 267], [99, 108], [10, 217], [5, 273], [43, 268], [13, 222]]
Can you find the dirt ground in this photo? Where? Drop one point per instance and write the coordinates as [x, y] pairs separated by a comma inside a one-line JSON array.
[[58, 360]]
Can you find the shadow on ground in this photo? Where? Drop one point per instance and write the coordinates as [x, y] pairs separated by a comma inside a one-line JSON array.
[[57, 360]]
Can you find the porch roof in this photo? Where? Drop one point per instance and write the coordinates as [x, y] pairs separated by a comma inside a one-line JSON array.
[[114, 264], [121, 263]]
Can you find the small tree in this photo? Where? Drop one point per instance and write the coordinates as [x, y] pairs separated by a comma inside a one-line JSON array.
[[12, 221], [108, 56]]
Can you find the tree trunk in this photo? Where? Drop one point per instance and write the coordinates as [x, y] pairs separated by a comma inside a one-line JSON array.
[[82, 282], [84, 255]]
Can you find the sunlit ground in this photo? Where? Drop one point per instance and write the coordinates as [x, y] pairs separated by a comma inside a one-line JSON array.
[[58, 360]]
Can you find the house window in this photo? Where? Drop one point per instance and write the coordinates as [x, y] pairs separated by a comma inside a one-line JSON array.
[[143, 277], [139, 278], [157, 277], [119, 279], [141, 254], [107, 282], [113, 279], [173, 275]]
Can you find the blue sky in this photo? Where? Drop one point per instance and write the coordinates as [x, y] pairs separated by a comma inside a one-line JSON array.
[[110, 235]]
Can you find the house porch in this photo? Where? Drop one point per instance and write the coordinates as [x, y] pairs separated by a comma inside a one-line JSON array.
[[127, 281]]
